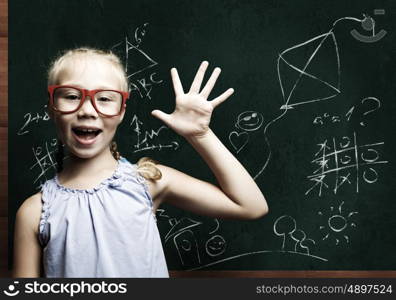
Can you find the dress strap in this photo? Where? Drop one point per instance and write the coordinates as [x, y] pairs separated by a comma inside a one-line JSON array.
[[129, 171], [48, 191]]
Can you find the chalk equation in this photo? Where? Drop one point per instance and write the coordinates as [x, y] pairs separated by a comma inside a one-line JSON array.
[[144, 138], [31, 119], [139, 65], [44, 160], [369, 105], [338, 160]]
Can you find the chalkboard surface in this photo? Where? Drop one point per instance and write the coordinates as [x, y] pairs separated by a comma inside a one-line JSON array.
[[312, 118]]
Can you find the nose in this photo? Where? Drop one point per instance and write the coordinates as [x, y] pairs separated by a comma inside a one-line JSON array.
[[87, 108]]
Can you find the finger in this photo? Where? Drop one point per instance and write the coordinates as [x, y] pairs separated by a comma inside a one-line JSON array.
[[215, 102], [177, 85], [196, 85], [211, 82], [164, 117]]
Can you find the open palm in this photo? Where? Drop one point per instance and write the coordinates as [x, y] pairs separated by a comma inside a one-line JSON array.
[[193, 111]]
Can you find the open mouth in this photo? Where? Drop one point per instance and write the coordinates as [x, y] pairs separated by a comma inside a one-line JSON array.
[[86, 134]]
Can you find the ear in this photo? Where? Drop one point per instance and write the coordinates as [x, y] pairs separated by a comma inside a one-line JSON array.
[[121, 117]]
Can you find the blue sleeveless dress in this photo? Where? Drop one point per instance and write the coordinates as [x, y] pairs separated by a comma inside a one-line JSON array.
[[107, 231]]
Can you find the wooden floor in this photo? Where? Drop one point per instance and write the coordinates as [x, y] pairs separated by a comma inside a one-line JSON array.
[[4, 272]]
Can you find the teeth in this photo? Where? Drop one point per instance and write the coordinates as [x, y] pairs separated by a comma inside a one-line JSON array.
[[87, 130]]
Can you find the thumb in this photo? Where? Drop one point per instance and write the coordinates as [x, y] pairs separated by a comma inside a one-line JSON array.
[[161, 115]]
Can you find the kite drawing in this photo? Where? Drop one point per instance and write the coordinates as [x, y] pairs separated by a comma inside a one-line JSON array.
[[302, 66]]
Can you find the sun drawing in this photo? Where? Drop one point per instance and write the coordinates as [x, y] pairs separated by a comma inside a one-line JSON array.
[[338, 222]]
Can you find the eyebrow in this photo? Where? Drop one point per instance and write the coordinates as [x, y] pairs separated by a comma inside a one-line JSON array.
[[98, 88]]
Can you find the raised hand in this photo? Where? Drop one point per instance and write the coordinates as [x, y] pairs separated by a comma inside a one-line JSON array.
[[193, 111]]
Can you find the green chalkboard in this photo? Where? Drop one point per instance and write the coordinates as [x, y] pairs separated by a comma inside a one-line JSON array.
[[312, 118]]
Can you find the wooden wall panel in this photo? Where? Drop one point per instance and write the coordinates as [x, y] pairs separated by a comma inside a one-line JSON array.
[[4, 18], [4, 172], [4, 272], [3, 81]]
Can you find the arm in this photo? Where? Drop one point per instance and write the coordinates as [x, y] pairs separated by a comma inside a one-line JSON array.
[[27, 250], [238, 195]]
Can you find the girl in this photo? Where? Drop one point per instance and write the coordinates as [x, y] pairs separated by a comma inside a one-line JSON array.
[[96, 217]]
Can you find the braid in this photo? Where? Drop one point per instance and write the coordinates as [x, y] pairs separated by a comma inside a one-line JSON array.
[[148, 169], [59, 155], [113, 149]]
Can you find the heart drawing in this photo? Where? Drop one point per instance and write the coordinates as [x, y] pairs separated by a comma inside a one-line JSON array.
[[238, 140]]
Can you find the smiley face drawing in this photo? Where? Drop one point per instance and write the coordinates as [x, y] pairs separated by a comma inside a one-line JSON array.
[[248, 142], [216, 245], [249, 120]]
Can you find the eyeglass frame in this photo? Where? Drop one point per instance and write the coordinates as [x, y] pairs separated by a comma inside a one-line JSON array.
[[85, 93]]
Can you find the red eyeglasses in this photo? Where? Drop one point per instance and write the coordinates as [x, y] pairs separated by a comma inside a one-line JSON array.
[[68, 99]]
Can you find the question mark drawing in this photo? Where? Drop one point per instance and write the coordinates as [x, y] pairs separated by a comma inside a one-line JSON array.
[[376, 102]]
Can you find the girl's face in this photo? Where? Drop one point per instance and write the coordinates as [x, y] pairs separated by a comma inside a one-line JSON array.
[[75, 129]]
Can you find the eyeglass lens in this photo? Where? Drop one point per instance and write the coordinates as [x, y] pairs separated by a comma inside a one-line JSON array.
[[67, 99]]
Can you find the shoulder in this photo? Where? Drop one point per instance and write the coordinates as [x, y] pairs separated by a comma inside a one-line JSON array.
[[168, 174], [29, 213], [31, 204], [158, 188]]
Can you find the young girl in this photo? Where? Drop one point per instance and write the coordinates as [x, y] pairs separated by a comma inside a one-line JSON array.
[[96, 217]]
